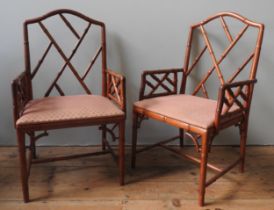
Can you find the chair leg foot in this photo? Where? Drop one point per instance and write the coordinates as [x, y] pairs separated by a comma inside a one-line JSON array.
[[203, 170], [23, 165], [201, 200], [122, 152], [134, 140]]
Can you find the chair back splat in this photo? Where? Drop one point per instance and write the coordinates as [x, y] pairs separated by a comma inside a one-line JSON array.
[[216, 62], [66, 58]]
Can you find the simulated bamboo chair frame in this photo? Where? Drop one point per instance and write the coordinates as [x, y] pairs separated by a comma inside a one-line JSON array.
[[198, 117], [48, 113]]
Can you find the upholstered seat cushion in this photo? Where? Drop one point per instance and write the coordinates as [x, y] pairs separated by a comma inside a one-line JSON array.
[[189, 109], [68, 108]]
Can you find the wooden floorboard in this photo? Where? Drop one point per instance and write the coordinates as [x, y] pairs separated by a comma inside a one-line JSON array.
[[160, 181]]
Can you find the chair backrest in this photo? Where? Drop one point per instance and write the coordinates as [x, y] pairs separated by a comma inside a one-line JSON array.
[[221, 29], [64, 16]]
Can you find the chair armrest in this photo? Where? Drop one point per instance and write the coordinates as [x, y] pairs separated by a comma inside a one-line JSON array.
[[21, 95], [116, 88], [161, 82], [233, 101]]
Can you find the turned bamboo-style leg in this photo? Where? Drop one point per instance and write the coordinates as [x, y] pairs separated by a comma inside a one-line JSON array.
[[243, 136], [134, 139], [203, 169], [23, 164], [104, 136], [122, 151], [33, 145], [181, 134]]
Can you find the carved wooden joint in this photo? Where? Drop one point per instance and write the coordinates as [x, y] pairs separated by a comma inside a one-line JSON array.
[[116, 84], [111, 131], [195, 139], [140, 119]]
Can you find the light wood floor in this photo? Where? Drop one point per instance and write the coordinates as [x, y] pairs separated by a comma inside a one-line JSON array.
[[160, 181]]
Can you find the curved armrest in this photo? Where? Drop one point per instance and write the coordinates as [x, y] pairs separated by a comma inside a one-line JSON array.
[[161, 82], [21, 95], [233, 102], [116, 88]]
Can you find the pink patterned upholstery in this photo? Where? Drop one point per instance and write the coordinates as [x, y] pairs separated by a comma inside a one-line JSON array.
[[189, 109], [67, 108]]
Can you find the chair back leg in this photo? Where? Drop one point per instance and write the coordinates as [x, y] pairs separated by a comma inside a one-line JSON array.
[[134, 139], [122, 151], [243, 138], [181, 134], [33, 145], [104, 136]]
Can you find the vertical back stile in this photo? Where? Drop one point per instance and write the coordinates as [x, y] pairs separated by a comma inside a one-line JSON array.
[[104, 61], [27, 60], [186, 62]]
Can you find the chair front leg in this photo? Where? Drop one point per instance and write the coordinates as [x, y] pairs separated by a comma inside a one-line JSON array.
[[23, 164], [122, 151], [203, 169], [134, 139]]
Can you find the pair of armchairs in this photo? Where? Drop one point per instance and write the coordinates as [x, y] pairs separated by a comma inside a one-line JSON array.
[[199, 118]]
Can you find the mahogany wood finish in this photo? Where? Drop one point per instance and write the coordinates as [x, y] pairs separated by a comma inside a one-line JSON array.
[[233, 102], [113, 88], [160, 77]]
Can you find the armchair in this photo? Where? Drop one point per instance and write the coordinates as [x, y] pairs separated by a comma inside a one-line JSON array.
[[35, 117], [197, 116]]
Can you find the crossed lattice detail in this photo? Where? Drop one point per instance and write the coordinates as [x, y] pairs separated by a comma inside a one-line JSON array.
[[115, 88], [216, 62], [165, 80], [234, 100], [67, 59], [235, 97]]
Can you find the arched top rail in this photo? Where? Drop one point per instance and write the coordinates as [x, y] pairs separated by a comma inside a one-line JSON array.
[[61, 12], [232, 15]]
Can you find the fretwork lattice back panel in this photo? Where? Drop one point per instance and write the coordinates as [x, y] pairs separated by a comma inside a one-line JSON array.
[[221, 48], [73, 45]]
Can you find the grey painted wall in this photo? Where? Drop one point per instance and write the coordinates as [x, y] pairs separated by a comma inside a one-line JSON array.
[[143, 34]]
